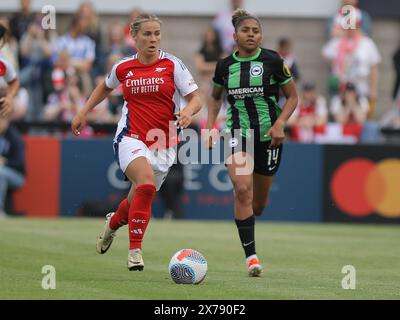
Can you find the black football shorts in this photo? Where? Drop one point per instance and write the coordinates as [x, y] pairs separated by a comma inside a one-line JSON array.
[[266, 160]]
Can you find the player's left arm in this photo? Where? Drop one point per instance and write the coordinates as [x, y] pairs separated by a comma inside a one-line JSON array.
[[285, 81], [277, 131], [290, 92], [194, 106]]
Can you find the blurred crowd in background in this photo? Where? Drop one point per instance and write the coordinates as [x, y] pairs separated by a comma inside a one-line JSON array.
[[59, 71]]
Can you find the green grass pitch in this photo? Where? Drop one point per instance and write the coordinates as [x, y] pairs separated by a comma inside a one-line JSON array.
[[301, 261]]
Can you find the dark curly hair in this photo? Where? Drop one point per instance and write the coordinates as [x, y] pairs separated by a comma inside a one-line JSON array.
[[240, 15]]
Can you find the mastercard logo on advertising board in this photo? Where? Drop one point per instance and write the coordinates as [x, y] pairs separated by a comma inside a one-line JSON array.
[[361, 187]]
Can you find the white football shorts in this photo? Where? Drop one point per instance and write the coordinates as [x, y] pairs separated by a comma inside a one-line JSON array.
[[130, 149]]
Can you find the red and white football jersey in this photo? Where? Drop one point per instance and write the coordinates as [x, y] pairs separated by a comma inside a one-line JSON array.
[[7, 71], [152, 94]]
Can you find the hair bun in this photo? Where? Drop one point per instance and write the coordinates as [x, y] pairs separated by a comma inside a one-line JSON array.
[[238, 14]]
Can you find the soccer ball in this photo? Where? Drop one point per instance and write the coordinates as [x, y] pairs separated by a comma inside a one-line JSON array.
[[188, 266]]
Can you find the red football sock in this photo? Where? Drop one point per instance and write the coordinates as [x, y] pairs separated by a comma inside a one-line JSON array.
[[120, 217], [139, 214]]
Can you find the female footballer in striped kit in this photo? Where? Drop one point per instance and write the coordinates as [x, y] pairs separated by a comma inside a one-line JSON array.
[[153, 83], [252, 78]]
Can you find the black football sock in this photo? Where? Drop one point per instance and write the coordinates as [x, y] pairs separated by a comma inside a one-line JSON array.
[[246, 234]]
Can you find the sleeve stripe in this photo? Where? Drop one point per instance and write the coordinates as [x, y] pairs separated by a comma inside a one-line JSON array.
[[217, 84], [285, 82]]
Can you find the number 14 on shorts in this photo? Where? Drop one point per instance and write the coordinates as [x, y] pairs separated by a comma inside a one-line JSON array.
[[273, 157]]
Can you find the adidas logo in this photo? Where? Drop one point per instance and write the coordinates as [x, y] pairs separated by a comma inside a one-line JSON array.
[[137, 231], [130, 74]]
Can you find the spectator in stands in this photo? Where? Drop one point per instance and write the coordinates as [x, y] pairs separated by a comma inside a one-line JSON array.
[[117, 43], [285, 49], [334, 23], [87, 11], [206, 59], [311, 115], [12, 161], [61, 67], [129, 41], [350, 110], [20, 21], [67, 99], [354, 58], [80, 48], [222, 23], [35, 44], [35, 50], [208, 55]]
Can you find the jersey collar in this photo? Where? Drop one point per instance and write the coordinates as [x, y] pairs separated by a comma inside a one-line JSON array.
[[234, 55]]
